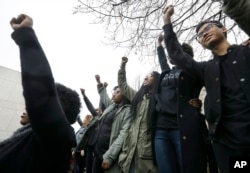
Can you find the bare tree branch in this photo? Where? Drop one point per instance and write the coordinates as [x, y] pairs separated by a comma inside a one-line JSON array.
[[135, 25]]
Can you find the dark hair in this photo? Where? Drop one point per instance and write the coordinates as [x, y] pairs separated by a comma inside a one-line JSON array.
[[125, 100], [144, 90], [115, 88], [70, 102], [215, 22], [187, 49]]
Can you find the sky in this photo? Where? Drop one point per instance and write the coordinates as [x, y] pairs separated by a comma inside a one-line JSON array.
[[71, 43]]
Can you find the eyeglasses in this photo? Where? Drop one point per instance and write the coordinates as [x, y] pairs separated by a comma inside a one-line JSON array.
[[206, 29]]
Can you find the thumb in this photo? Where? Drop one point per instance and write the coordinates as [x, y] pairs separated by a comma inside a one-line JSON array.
[[15, 26]]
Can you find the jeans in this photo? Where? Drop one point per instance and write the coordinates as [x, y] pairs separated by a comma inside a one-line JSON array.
[[168, 150]]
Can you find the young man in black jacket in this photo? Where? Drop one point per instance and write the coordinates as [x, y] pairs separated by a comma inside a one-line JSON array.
[[52, 108], [227, 81]]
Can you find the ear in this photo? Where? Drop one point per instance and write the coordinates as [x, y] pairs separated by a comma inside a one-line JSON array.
[[224, 30]]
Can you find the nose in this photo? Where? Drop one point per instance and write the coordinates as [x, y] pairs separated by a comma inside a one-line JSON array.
[[205, 33]]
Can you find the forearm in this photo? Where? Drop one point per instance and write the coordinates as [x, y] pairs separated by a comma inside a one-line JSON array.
[[37, 79], [123, 85], [173, 46], [90, 106], [162, 58], [44, 110], [180, 58], [104, 96]]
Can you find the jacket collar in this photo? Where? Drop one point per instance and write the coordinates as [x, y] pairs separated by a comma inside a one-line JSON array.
[[229, 50]]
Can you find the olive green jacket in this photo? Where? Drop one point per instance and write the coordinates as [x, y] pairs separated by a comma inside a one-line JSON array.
[[137, 146], [120, 125]]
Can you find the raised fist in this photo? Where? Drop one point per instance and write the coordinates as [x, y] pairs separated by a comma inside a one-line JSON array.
[[21, 21], [124, 60], [97, 78]]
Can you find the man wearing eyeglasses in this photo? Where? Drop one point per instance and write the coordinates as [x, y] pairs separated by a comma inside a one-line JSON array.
[[227, 81]]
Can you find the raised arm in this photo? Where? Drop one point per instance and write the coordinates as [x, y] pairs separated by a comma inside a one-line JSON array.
[[127, 91], [175, 51], [104, 98], [88, 103], [161, 54], [42, 104]]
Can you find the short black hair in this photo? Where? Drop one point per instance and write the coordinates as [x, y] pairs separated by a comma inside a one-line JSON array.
[[125, 100], [187, 49], [115, 88], [215, 22], [70, 102]]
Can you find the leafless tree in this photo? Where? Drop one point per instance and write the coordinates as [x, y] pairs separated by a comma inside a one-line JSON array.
[[135, 25], [137, 83]]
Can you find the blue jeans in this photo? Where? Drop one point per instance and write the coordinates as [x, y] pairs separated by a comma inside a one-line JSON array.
[[168, 150]]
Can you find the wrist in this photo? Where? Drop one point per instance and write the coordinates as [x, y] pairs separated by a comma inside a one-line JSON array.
[[167, 20], [99, 84], [123, 64]]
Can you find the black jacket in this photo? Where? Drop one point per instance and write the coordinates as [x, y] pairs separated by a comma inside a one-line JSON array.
[[48, 147], [196, 150], [209, 74]]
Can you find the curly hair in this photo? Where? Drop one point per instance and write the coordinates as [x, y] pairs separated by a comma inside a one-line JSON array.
[[70, 102]]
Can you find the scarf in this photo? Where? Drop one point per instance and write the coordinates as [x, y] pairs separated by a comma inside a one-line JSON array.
[[23, 131]]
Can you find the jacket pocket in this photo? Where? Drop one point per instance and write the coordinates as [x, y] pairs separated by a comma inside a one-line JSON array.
[[145, 148], [124, 153]]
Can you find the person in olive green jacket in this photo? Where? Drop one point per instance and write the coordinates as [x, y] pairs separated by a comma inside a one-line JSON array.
[[136, 155], [110, 131]]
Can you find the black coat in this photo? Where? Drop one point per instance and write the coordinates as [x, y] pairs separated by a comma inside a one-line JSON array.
[[47, 148], [195, 146], [209, 74]]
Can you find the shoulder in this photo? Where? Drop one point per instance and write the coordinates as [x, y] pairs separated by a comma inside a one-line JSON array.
[[125, 108], [239, 50]]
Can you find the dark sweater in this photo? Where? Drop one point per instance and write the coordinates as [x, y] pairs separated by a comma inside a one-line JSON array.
[[48, 147], [167, 101], [104, 132]]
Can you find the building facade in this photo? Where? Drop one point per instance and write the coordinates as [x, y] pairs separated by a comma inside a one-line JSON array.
[[11, 101]]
